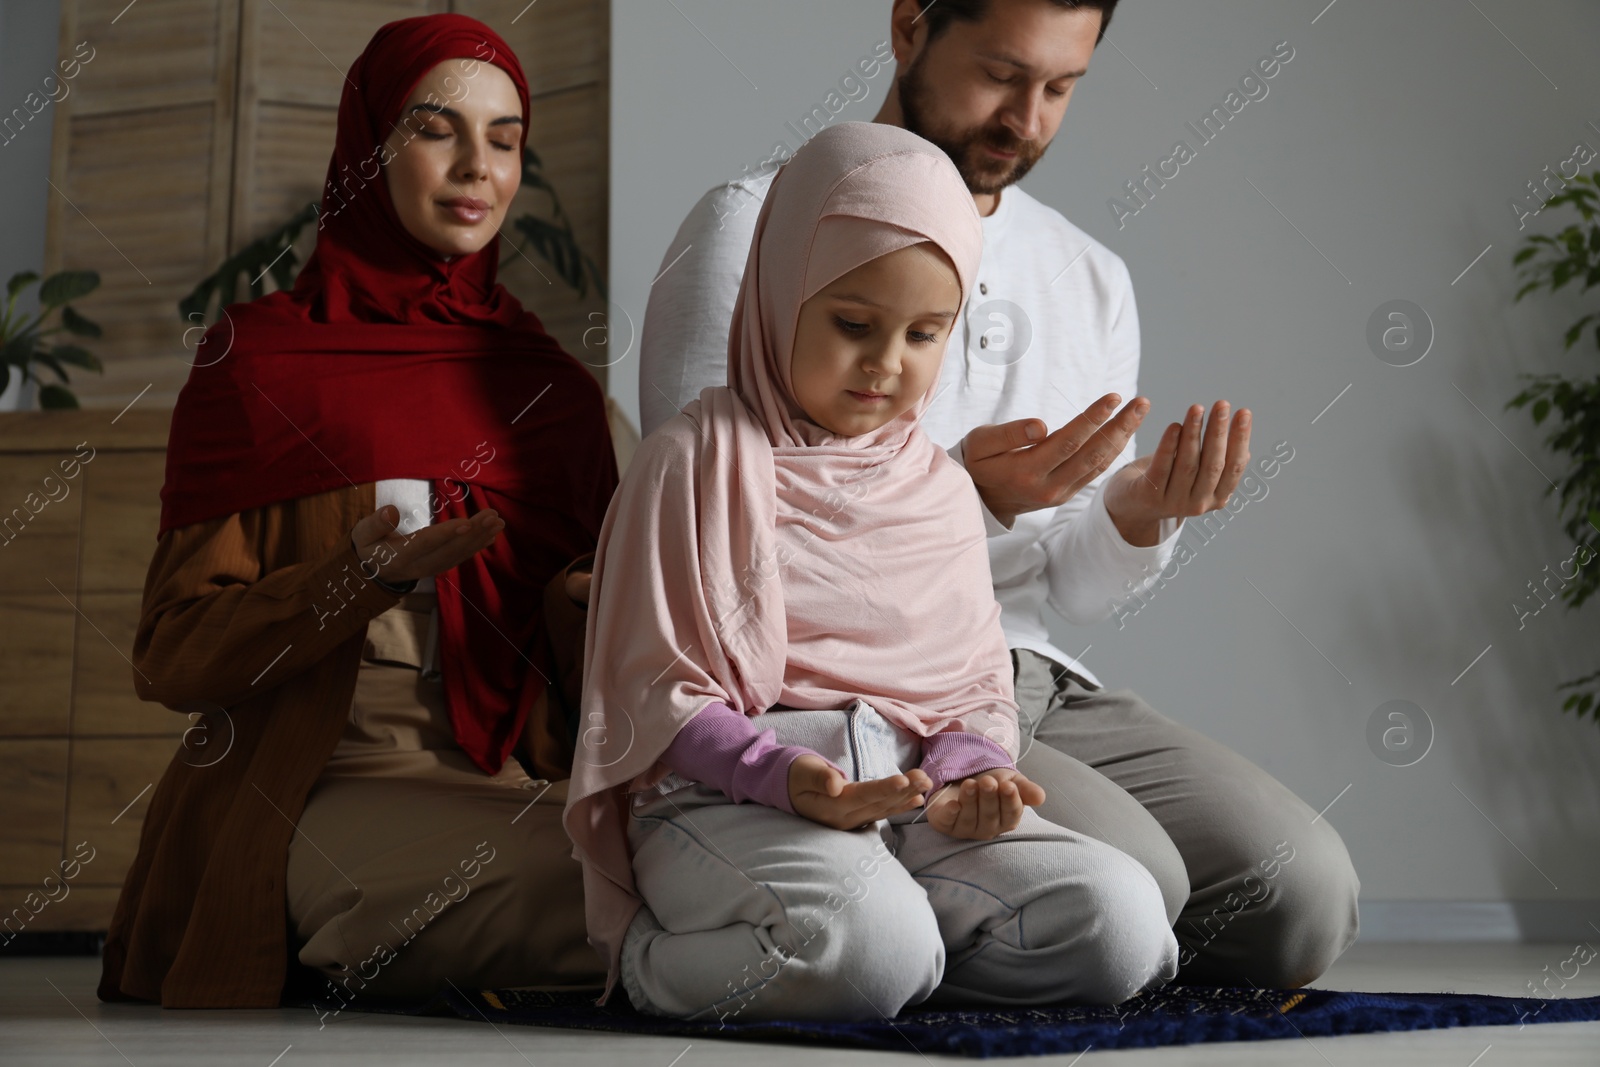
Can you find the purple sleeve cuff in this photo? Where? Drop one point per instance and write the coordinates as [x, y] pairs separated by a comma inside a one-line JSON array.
[[953, 755], [723, 749]]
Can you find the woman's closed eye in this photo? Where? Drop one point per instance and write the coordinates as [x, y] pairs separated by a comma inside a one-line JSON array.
[[432, 136]]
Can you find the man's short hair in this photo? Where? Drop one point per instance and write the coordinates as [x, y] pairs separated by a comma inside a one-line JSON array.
[[939, 14]]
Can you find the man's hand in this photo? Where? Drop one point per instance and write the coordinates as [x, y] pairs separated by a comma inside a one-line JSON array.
[[820, 793], [985, 805], [432, 550], [1186, 475], [1017, 468]]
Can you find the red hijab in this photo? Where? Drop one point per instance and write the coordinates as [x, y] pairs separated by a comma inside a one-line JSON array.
[[386, 361]]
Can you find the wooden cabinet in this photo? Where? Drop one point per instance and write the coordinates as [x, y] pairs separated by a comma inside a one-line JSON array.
[[79, 752]]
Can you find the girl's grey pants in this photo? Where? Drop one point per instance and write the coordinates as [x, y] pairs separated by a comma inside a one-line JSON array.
[[753, 913]]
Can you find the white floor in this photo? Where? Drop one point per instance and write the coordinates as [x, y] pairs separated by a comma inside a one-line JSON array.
[[49, 1015]]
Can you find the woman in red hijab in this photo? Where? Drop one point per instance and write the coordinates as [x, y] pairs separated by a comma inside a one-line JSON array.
[[371, 480]]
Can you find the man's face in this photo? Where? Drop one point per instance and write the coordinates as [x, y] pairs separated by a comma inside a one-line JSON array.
[[992, 93]]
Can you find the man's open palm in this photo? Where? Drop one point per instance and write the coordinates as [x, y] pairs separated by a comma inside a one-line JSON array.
[[1018, 468], [1193, 470]]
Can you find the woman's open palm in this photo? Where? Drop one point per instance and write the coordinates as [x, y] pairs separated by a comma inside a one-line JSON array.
[[426, 552]]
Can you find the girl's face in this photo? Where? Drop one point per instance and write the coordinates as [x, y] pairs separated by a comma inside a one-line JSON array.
[[457, 156], [868, 344]]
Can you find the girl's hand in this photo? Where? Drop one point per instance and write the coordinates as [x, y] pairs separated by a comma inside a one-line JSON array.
[[985, 805], [432, 550], [820, 793]]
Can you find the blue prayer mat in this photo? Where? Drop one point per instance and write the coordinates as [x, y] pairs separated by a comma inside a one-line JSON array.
[[1175, 1015]]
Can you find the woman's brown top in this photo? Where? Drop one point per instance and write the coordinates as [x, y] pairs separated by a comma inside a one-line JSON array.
[[262, 613]]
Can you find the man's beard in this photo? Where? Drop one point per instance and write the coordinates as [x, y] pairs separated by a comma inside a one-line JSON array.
[[983, 173]]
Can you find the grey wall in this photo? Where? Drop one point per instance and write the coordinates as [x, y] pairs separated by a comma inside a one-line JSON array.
[[1413, 513], [28, 32]]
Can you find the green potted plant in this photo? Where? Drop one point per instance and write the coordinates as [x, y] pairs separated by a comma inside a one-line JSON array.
[[25, 341], [1551, 262]]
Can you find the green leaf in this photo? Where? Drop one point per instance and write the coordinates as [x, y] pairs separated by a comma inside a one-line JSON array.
[[20, 282], [285, 269], [66, 286], [19, 350], [1540, 410], [77, 324], [248, 263], [1576, 329], [78, 357], [537, 182], [1527, 254], [56, 398], [49, 360]]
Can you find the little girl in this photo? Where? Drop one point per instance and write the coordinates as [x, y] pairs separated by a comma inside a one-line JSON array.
[[796, 795]]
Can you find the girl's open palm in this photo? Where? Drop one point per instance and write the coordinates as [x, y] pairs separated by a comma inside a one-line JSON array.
[[985, 805], [818, 791]]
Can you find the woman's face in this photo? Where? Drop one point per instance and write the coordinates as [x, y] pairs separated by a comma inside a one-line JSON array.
[[457, 156], [868, 344]]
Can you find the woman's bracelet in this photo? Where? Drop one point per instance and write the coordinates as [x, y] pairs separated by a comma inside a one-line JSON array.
[[401, 590]]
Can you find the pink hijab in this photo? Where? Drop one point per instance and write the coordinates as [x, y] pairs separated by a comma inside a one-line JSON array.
[[741, 498]]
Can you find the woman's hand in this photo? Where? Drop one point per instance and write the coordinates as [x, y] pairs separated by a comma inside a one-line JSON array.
[[426, 552], [577, 585], [985, 805], [819, 792]]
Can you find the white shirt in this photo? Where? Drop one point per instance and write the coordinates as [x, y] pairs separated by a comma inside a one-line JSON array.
[[1050, 328]]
